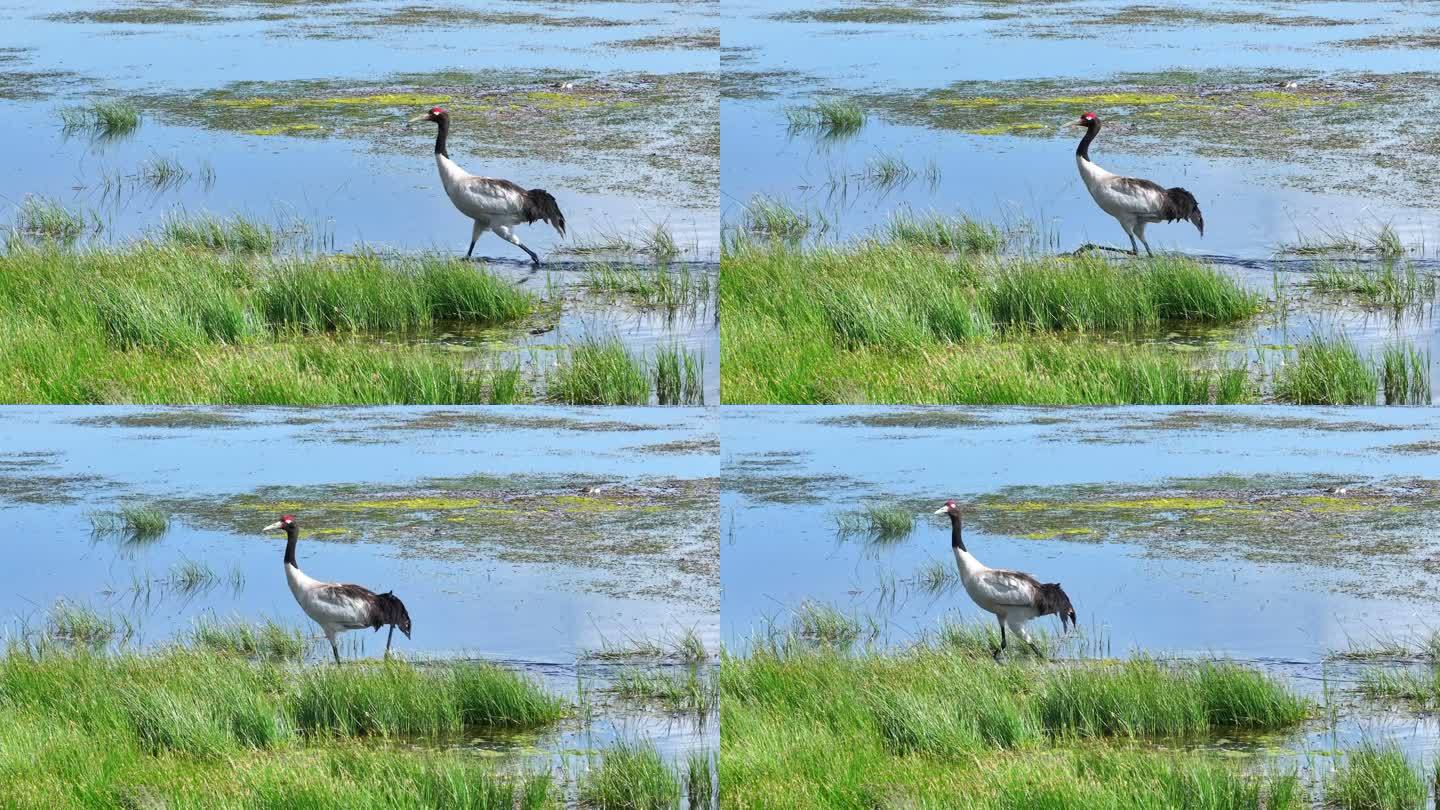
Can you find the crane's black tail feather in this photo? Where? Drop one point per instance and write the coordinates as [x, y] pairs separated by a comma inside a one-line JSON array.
[[390, 610], [540, 204], [1181, 204], [1052, 599]]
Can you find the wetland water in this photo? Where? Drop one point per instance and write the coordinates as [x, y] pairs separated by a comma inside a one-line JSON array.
[[1223, 98], [528, 540], [294, 114], [1183, 532]]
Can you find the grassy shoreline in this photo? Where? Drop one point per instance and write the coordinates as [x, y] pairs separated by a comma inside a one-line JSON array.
[[934, 312], [176, 322]]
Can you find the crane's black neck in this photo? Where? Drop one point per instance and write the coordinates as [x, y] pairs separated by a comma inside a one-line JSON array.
[[1091, 130], [956, 541], [292, 535], [440, 135]]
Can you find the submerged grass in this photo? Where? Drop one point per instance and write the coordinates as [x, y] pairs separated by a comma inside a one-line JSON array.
[[600, 371], [133, 523], [269, 640], [813, 726], [46, 219], [880, 523], [774, 218], [961, 234], [830, 119], [889, 322], [102, 118], [1390, 286]]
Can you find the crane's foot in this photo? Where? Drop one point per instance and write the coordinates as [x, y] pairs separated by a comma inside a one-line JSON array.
[[996, 653]]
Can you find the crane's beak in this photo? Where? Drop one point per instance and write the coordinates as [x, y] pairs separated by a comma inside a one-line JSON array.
[[1075, 125], [417, 119], [272, 527], [942, 510]]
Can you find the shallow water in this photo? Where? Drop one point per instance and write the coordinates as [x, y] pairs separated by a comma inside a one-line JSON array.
[[468, 600], [1174, 587]]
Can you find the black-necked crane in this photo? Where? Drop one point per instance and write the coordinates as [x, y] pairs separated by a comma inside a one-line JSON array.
[[336, 607], [494, 204], [1134, 202], [1014, 597]]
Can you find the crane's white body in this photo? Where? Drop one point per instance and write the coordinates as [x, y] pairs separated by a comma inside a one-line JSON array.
[[1132, 202], [495, 205], [1007, 594], [328, 604]]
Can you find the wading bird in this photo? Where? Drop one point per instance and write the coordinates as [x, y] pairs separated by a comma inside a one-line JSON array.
[[335, 607], [493, 204], [1132, 201], [1014, 597]]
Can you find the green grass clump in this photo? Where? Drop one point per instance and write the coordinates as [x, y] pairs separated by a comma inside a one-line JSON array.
[[1405, 375], [1374, 778], [653, 288], [774, 218], [198, 729], [1327, 371], [133, 522], [881, 523], [44, 218], [1389, 286], [631, 777], [600, 371], [688, 692], [236, 234], [190, 575], [676, 374], [369, 294], [887, 322], [81, 625], [164, 324], [961, 234], [819, 727], [823, 624], [1387, 684], [700, 781], [104, 118], [269, 640], [830, 119], [397, 699], [1382, 241]]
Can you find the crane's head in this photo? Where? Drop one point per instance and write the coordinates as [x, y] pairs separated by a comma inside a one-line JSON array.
[[950, 508], [1087, 120], [436, 114], [286, 522]]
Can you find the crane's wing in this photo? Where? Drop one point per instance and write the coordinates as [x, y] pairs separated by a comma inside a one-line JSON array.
[[1003, 587], [485, 197], [1136, 195], [350, 606]]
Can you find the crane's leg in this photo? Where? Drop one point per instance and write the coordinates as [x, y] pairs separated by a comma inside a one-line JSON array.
[[387, 641], [1140, 232], [475, 231], [1001, 648], [1021, 630], [1134, 248], [504, 232], [334, 648]]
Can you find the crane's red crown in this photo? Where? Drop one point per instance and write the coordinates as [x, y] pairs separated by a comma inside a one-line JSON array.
[[950, 502], [1089, 116], [287, 518], [436, 110]]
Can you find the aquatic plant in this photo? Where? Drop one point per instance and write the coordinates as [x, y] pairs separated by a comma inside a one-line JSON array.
[[631, 777], [1327, 370], [661, 288], [103, 118], [945, 233], [236, 233], [600, 371], [1375, 778], [823, 624], [133, 522], [676, 374], [880, 523], [269, 640], [830, 118], [771, 217], [82, 625], [44, 218]]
